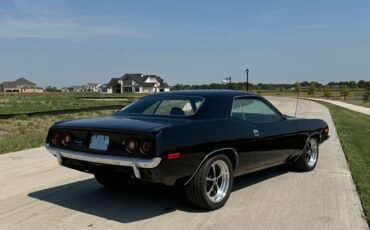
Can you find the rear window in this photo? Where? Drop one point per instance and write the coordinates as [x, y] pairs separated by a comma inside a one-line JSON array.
[[164, 106]]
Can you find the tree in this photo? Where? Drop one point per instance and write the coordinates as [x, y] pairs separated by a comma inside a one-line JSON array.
[[327, 91], [367, 91], [344, 91], [259, 91], [297, 88], [312, 89], [51, 89], [361, 84]]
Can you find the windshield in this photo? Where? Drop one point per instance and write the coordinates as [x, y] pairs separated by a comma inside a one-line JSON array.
[[164, 106]]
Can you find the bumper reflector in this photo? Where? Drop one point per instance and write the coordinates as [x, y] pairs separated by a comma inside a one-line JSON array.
[[171, 156]]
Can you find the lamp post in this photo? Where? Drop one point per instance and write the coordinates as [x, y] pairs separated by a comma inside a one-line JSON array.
[[247, 72], [229, 79]]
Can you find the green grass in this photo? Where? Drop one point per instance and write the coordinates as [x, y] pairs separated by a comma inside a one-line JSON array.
[[22, 103], [354, 132], [365, 104], [23, 132]]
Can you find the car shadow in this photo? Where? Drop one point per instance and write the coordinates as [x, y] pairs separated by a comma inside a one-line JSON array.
[[135, 203]]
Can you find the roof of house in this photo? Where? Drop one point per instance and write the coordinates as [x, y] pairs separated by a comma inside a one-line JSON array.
[[19, 82], [136, 77], [113, 82]]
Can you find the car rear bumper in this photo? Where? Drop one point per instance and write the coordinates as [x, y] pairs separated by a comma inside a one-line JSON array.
[[111, 160]]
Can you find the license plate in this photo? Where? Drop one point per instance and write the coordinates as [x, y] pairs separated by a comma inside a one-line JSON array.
[[99, 142]]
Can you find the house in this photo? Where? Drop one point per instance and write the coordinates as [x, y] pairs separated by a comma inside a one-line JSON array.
[[20, 85], [89, 87], [112, 87], [136, 83], [92, 87]]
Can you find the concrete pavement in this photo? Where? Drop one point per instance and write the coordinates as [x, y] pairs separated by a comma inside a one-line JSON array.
[[36, 193], [356, 108]]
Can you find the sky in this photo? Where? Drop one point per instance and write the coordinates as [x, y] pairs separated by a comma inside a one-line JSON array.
[[69, 42]]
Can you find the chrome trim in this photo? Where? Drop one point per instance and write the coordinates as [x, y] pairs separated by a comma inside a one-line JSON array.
[[133, 162], [207, 156]]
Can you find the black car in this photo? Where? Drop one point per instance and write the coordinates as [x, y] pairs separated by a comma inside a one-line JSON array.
[[200, 139]]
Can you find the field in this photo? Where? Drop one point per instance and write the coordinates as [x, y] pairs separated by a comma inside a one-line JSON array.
[[29, 132], [354, 131], [23, 103], [23, 132]]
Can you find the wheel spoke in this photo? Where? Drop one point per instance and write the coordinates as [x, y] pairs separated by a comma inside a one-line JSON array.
[[218, 187], [219, 176], [210, 190], [214, 170], [209, 179]]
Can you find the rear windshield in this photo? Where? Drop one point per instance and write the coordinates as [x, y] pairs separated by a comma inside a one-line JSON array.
[[164, 106]]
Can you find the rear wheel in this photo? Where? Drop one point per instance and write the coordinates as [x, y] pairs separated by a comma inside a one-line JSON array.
[[211, 186], [308, 159], [111, 179]]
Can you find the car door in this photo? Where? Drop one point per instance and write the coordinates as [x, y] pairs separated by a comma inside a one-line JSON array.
[[273, 136]]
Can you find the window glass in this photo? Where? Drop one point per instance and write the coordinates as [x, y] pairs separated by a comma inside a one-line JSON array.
[[168, 106], [254, 110]]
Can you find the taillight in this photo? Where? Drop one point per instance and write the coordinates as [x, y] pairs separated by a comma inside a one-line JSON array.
[[56, 138], [67, 138], [145, 147], [131, 145]]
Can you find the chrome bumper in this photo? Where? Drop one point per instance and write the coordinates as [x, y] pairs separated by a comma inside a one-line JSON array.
[[133, 162]]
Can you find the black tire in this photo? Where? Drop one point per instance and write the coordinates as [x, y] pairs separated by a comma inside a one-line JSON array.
[[196, 190], [111, 179], [302, 163]]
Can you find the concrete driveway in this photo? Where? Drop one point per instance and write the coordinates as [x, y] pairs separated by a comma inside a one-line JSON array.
[[36, 193]]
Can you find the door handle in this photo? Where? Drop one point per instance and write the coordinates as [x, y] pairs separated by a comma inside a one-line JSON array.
[[256, 133]]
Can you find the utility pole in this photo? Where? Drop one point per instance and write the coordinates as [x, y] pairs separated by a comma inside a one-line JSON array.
[[247, 72]]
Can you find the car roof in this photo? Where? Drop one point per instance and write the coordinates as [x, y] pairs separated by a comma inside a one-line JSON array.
[[206, 93]]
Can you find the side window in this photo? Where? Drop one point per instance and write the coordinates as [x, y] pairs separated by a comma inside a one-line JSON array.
[[254, 110]]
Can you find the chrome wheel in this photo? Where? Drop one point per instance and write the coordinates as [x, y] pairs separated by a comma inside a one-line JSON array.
[[312, 152], [217, 181]]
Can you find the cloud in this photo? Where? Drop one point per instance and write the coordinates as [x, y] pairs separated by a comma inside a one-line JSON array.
[[270, 15], [59, 29], [312, 26], [51, 20]]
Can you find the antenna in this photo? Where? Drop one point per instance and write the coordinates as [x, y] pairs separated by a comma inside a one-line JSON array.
[[296, 106]]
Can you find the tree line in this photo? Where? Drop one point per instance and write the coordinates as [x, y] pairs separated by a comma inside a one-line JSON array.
[[311, 88]]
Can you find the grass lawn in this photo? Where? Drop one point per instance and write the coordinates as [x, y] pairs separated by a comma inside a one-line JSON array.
[[354, 132], [23, 103], [366, 104], [29, 132]]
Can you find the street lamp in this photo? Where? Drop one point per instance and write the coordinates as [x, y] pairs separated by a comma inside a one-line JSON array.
[[247, 72], [228, 79]]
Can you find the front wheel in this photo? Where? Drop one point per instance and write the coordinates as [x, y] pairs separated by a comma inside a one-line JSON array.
[[211, 186], [308, 159]]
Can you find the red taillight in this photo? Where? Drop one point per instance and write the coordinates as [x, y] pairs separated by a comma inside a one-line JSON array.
[[131, 145], [56, 138], [145, 146], [171, 156], [67, 138]]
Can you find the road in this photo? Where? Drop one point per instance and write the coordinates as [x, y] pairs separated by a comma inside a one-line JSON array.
[[36, 193], [356, 108]]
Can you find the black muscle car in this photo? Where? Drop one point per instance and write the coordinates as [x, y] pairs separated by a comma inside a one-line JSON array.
[[198, 139]]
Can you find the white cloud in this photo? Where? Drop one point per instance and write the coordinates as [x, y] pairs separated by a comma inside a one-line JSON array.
[[270, 15], [313, 26], [50, 20], [58, 29]]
